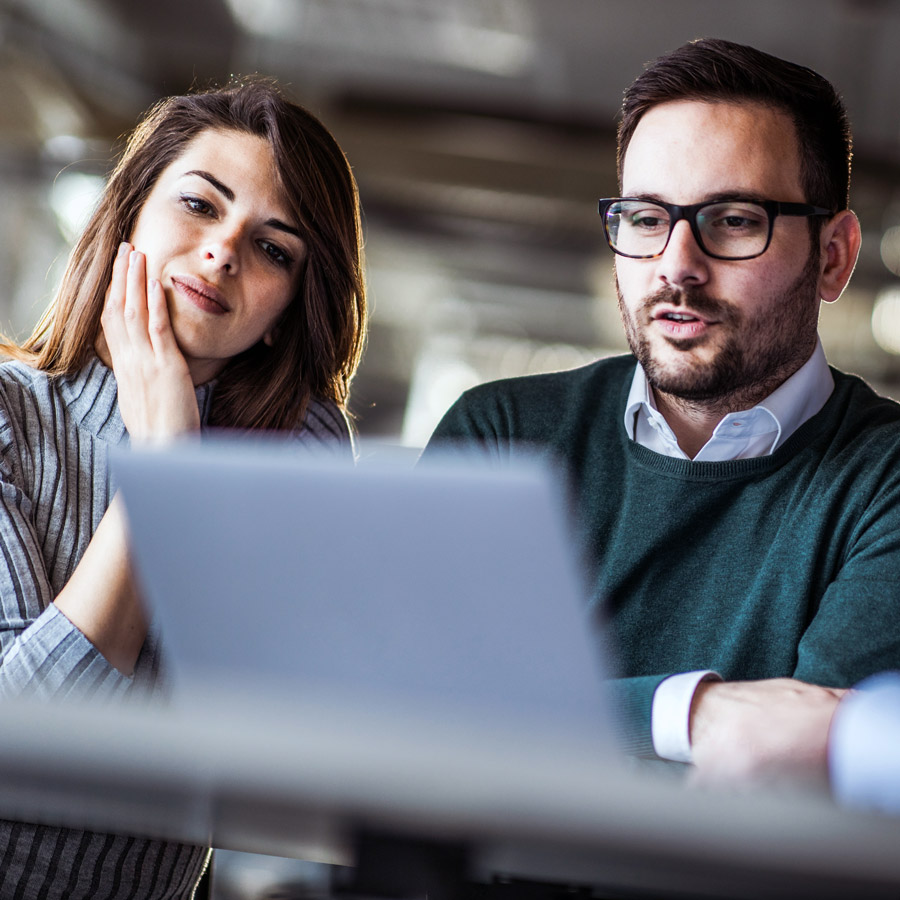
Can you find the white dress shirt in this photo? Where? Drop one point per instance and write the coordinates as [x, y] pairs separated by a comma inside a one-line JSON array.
[[864, 745], [759, 431]]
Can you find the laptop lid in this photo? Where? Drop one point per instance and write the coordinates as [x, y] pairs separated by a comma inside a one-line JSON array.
[[446, 588]]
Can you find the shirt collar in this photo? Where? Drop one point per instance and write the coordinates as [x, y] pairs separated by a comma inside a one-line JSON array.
[[792, 403], [801, 396], [639, 397]]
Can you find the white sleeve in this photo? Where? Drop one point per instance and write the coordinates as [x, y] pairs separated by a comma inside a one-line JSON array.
[[670, 714], [864, 745]]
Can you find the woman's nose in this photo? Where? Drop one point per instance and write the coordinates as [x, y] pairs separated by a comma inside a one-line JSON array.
[[222, 249]]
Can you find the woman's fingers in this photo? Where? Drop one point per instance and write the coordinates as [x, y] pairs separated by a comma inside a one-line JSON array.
[[159, 325], [112, 316], [116, 293], [135, 310], [136, 318]]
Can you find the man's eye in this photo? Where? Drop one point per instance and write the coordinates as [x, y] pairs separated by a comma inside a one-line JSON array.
[[737, 222], [647, 222], [736, 219], [743, 224]]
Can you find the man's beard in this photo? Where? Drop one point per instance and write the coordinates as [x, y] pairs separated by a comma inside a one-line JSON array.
[[742, 370]]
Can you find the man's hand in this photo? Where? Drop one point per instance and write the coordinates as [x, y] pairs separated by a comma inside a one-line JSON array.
[[761, 731]]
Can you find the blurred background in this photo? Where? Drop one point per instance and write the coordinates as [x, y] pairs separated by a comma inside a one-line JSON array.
[[481, 133]]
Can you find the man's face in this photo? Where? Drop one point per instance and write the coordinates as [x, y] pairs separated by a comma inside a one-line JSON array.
[[704, 328]]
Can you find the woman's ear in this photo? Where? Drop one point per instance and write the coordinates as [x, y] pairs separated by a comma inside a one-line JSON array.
[[272, 334], [839, 244]]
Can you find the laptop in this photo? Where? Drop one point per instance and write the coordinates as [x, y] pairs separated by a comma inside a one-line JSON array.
[[449, 588]]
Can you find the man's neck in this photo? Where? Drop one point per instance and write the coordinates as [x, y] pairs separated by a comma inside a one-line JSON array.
[[694, 421]]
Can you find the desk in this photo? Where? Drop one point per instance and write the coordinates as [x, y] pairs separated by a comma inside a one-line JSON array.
[[240, 776]]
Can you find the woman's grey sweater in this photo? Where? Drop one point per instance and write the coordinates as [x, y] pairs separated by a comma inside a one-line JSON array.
[[54, 489]]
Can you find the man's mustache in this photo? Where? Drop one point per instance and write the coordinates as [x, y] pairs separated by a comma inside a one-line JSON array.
[[695, 300]]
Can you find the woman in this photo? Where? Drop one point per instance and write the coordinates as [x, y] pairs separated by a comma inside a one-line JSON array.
[[219, 282]]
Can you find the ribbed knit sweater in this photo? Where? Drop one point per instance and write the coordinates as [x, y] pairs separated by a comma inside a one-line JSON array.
[[54, 489], [784, 565]]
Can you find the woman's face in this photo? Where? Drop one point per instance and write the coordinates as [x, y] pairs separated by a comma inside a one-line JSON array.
[[222, 243]]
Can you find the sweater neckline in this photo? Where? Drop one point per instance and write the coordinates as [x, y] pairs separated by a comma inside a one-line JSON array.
[[688, 469]]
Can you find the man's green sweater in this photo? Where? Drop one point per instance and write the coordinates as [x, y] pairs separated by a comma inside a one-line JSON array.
[[784, 565]]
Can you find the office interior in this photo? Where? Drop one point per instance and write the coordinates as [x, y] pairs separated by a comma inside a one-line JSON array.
[[481, 134]]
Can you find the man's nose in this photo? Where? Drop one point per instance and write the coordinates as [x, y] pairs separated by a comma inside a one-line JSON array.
[[683, 262]]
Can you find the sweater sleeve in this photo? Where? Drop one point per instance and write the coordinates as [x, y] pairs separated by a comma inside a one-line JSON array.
[[41, 651], [466, 429], [631, 702], [855, 631]]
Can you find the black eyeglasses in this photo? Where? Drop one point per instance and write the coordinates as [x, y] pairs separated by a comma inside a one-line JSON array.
[[723, 229]]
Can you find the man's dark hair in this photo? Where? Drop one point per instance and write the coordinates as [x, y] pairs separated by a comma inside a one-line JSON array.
[[715, 70]]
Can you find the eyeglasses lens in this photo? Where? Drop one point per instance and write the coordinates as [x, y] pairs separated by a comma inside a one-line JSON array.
[[729, 229]]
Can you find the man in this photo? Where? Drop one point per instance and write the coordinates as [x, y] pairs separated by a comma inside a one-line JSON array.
[[738, 500]]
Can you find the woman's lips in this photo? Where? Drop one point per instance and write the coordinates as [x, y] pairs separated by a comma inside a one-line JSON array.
[[201, 294]]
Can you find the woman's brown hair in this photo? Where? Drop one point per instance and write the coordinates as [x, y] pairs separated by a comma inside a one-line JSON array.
[[319, 340]]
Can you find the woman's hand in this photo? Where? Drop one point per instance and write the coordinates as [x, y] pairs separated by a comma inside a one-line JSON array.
[[156, 393], [157, 401]]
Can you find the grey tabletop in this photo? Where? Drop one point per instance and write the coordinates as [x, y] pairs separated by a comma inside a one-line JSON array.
[[301, 779]]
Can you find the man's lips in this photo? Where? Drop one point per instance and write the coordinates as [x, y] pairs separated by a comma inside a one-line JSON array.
[[679, 322], [201, 293], [680, 314]]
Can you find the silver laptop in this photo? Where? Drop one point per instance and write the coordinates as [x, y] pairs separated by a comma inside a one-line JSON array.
[[448, 588]]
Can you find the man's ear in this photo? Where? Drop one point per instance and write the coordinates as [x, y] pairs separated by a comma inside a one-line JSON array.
[[839, 244]]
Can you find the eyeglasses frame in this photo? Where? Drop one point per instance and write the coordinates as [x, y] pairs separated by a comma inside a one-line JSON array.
[[773, 209]]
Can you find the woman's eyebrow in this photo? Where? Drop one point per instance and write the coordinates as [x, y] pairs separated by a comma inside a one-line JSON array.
[[226, 191], [283, 226], [228, 194]]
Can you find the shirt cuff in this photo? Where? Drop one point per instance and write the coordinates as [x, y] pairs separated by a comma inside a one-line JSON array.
[[670, 715]]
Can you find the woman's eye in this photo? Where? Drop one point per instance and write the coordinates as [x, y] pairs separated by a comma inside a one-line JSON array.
[[196, 204], [275, 254]]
